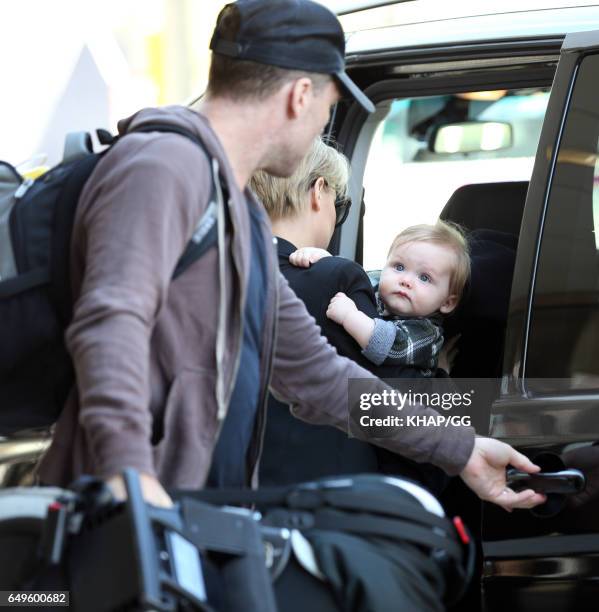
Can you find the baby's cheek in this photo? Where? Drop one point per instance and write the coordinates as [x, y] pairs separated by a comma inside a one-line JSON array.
[[384, 289]]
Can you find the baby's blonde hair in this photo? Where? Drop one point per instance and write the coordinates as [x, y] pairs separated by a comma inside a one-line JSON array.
[[446, 234], [286, 197]]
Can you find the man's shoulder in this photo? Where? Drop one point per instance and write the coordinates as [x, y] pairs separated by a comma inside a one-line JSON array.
[[165, 153], [182, 142], [147, 166]]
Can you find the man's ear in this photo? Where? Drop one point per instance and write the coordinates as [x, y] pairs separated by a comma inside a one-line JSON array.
[[316, 194], [300, 94], [449, 305]]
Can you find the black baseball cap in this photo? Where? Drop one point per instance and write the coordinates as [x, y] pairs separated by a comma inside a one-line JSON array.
[[292, 34]]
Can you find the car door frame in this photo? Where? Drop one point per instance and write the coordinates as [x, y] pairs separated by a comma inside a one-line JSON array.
[[357, 129], [516, 404], [537, 424]]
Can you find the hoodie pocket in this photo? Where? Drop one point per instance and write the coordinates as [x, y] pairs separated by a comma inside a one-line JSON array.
[[184, 453]]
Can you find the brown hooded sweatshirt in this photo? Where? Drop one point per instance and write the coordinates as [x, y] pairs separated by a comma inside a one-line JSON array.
[[144, 346]]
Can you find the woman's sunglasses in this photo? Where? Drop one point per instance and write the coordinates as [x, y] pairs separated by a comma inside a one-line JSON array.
[[342, 206]]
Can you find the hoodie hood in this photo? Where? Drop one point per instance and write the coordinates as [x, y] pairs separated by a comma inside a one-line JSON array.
[[176, 115], [188, 119]]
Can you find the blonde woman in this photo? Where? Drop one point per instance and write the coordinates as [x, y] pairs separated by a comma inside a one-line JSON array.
[[304, 210]]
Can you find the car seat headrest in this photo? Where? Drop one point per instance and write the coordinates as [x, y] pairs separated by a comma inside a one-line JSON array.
[[495, 206]]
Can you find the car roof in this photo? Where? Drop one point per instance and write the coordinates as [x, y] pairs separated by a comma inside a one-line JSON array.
[[343, 7], [423, 27]]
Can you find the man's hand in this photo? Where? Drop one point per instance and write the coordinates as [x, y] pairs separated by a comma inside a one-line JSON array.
[[485, 474], [306, 256], [340, 307], [151, 489]]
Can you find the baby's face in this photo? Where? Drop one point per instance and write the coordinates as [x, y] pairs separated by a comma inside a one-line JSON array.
[[415, 279]]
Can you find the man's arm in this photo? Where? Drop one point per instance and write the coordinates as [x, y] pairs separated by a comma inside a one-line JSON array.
[[138, 213]]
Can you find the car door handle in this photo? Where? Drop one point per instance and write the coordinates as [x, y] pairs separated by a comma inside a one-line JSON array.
[[564, 482]]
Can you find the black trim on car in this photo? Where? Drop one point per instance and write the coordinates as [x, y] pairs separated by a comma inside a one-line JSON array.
[[531, 420], [506, 48], [526, 257], [353, 118], [504, 571], [542, 546], [402, 88]]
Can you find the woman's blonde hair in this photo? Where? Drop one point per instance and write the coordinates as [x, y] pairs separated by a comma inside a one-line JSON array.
[[285, 197], [446, 234]]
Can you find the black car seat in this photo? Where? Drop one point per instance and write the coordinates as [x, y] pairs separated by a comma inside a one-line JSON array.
[[490, 206], [491, 214]]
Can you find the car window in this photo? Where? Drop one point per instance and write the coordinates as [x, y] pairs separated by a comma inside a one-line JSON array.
[[563, 343], [410, 175]]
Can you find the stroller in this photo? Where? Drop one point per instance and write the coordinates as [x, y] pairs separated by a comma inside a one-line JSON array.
[[346, 543]]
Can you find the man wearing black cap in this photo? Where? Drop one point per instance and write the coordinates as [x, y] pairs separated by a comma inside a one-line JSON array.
[[172, 373]]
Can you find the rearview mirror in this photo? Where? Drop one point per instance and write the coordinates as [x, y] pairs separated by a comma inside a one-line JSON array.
[[471, 137]]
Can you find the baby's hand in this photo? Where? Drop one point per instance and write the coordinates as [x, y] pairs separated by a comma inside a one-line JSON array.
[[340, 307], [306, 256]]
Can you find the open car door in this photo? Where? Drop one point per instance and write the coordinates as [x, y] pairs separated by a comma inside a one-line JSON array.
[[548, 558]]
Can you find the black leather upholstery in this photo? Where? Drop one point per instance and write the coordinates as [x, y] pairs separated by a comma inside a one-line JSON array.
[[494, 206], [492, 214]]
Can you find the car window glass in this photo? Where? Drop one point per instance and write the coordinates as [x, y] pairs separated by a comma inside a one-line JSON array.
[[563, 346], [407, 183]]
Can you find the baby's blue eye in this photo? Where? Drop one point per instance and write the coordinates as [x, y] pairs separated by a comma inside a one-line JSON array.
[[425, 278], [399, 267]]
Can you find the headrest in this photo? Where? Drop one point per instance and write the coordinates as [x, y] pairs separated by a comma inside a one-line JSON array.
[[495, 206]]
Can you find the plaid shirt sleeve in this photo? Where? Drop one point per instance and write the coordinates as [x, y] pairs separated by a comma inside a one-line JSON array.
[[409, 342]]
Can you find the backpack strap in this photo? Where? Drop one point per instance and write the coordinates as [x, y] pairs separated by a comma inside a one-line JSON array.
[[297, 498], [343, 510], [271, 496], [205, 235], [395, 529]]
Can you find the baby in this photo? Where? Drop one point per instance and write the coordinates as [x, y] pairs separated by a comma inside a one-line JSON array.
[[424, 276]]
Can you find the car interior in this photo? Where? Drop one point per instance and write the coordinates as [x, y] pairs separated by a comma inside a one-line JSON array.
[[464, 158], [491, 213]]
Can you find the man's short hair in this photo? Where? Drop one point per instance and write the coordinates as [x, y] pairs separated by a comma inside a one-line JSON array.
[[447, 234], [286, 197], [244, 79]]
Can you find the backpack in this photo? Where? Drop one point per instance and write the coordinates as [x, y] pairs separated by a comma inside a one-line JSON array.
[[344, 518], [357, 542], [36, 223]]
